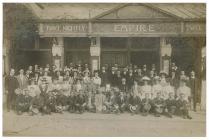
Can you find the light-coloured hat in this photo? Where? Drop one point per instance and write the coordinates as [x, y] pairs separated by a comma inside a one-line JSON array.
[[133, 108], [145, 78], [163, 72]]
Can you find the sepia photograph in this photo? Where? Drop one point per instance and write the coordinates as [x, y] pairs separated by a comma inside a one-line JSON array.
[[104, 70]]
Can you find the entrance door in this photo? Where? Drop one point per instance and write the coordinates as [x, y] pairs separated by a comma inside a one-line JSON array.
[[145, 57], [111, 58], [77, 57]]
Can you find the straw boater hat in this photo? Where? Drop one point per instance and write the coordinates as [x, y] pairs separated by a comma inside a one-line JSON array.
[[145, 78], [157, 78], [132, 108], [163, 72]]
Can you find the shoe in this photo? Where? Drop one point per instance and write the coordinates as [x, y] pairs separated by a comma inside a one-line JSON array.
[[189, 117], [157, 115]]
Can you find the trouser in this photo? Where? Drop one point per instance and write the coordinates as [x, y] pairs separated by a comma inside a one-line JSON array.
[[194, 102], [79, 108], [10, 101]]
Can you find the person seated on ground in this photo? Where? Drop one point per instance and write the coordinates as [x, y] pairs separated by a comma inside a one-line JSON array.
[[146, 105], [50, 103], [134, 104], [89, 100], [121, 102], [158, 105], [99, 101], [110, 102], [22, 101], [182, 107], [80, 102], [170, 105], [71, 102]]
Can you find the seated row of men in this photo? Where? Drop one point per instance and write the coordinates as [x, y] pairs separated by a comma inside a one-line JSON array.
[[47, 98]]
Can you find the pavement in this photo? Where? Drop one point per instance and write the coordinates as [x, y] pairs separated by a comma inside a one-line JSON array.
[[92, 124]]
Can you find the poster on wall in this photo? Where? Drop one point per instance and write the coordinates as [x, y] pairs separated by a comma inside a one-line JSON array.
[[94, 64], [57, 63], [166, 66]]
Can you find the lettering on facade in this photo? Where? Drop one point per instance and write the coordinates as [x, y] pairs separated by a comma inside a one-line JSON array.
[[134, 28], [65, 28]]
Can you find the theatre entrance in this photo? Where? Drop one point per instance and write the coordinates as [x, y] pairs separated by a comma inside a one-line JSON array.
[[136, 50]]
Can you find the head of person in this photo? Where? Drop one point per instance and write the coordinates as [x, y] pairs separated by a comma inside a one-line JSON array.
[[96, 74], [58, 73], [41, 69], [113, 69], [173, 64], [21, 71], [86, 74], [139, 70], [135, 82], [151, 73], [67, 73], [30, 68], [123, 80], [153, 66], [157, 80], [145, 80], [118, 73], [144, 67], [158, 94], [125, 69], [130, 71], [12, 72], [47, 66], [32, 82], [45, 73], [182, 72], [103, 68], [192, 74], [182, 96], [55, 81], [147, 95], [171, 95]]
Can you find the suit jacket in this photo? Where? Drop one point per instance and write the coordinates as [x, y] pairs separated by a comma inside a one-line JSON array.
[[104, 78], [11, 84], [23, 83]]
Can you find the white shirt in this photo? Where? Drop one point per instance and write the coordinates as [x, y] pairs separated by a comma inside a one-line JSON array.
[[97, 80], [185, 90]]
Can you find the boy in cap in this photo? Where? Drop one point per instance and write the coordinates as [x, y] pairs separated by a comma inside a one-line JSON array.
[[182, 107], [100, 101], [146, 105], [170, 105], [80, 102], [134, 104], [121, 101], [158, 105]]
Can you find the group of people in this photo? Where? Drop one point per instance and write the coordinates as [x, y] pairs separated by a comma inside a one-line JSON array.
[[110, 90]]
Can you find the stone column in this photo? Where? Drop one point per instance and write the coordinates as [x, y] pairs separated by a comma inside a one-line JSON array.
[[95, 51]]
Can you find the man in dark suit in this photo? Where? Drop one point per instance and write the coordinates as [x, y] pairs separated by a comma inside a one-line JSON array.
[[104, 77], [11, 84], [112, 77], [194, 88]]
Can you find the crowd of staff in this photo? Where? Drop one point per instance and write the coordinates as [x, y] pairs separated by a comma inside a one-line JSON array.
[[114, 89]]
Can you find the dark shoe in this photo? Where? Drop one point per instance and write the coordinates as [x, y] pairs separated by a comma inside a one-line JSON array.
[[189, 117], [157, 115]]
